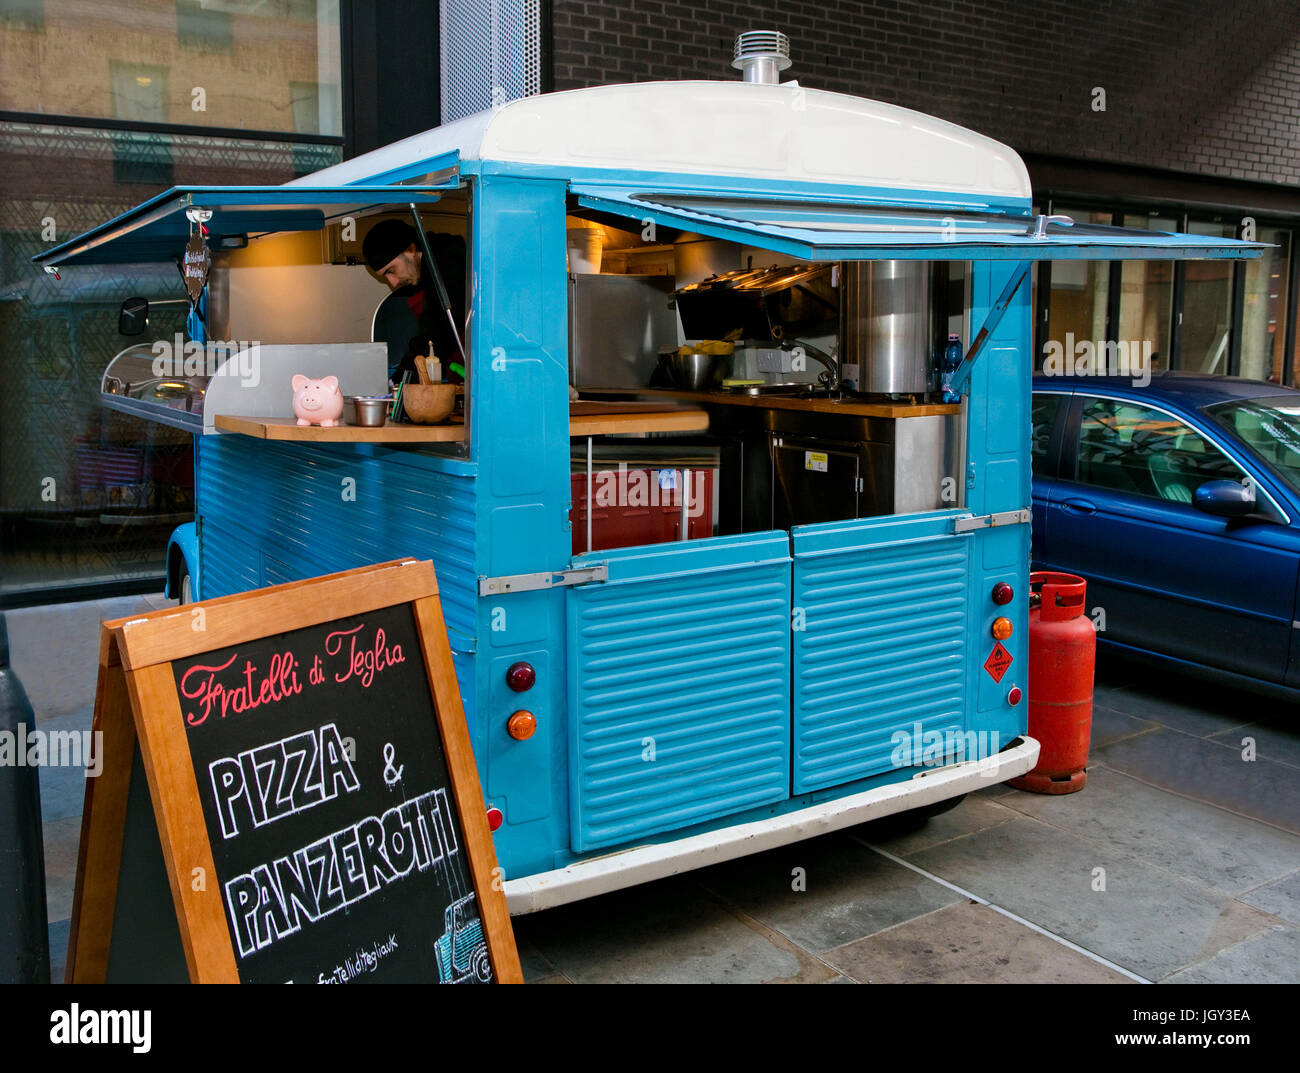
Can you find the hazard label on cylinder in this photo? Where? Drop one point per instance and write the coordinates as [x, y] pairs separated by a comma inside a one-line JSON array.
[[998, 662]]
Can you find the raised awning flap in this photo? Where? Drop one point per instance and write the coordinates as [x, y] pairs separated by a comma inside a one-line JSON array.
[[157, 229], [838, 230]]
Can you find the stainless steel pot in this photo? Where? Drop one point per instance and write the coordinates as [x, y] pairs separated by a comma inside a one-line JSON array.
[[694, 370], [885, 324]]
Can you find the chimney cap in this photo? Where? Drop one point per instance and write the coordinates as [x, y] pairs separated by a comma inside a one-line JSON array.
[[756, 46]]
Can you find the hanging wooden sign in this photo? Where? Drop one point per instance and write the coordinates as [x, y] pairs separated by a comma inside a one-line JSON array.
[[288, 795], [195, 266]]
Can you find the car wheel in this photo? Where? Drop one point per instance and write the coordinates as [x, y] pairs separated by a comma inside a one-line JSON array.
[[482, 966], [186, 587]]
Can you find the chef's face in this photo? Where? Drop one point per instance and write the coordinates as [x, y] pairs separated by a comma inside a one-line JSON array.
[[403, 270]]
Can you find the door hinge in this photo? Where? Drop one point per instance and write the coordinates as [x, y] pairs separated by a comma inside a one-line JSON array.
[[992, 521], [545, 579]]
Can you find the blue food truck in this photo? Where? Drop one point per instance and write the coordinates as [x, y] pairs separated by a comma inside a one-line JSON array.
[[706, 596]]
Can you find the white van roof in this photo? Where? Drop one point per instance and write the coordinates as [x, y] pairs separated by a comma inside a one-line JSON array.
[[733, 128]]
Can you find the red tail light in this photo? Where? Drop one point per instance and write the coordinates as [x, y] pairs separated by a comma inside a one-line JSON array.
[[521, 676]]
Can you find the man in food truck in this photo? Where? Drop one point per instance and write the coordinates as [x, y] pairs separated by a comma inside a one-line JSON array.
[[392, 250]]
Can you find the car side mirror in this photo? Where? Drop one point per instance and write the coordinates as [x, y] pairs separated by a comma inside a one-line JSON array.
[[133, 317], [1226, 499]]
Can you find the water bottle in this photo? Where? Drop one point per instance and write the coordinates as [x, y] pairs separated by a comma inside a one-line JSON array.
[[952, 356]]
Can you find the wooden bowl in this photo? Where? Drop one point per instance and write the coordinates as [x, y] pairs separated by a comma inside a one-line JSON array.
[[427, 404]]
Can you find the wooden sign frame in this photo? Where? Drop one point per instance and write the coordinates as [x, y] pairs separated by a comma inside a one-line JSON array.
[[136, 700]]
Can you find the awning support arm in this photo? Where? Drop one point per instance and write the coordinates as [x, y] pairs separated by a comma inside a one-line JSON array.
[[990, 325], [437, 282]]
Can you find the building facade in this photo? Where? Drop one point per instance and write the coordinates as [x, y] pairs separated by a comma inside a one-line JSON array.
[[1164, 114]]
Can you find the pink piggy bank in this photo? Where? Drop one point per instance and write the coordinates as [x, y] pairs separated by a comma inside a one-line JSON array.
[[317, 402]]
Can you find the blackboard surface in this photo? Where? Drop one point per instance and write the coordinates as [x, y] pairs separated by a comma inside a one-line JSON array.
[[328, 806], [146, 940]]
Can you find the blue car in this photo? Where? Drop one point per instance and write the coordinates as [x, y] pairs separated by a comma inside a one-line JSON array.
[[1179, 501]]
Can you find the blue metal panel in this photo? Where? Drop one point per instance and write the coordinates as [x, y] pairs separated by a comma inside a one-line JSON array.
[[273, 512], [679, 686], [519, 414], [152, 230], [632, 180], [880, 622], [998, 417], [817, 230]]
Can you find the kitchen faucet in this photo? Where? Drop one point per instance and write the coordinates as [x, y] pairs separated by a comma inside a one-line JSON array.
[[830, 379]]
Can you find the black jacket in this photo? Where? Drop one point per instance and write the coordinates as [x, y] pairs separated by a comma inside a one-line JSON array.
[[449, 252]]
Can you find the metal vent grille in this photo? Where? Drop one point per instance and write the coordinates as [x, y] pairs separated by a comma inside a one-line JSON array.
[[491, 53]]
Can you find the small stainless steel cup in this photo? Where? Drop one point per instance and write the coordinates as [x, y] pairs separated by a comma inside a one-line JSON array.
[[371, 411]]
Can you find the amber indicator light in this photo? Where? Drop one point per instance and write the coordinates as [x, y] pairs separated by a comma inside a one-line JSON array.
[[521, 725], [1002, 628]]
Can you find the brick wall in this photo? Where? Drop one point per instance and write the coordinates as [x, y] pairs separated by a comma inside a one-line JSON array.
[[1209, 89]]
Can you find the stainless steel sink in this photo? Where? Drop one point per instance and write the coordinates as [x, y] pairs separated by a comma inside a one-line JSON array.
[[766, 389]]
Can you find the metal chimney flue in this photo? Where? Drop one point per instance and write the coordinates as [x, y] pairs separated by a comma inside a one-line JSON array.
[[761, 56]]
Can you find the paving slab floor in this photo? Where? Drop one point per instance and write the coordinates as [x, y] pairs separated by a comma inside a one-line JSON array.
[[1179, 862]]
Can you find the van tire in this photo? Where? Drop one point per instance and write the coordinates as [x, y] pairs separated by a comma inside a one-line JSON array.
[[939, 807], [184, 587]]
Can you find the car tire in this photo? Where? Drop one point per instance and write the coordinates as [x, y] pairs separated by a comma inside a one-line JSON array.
[[184, 586]]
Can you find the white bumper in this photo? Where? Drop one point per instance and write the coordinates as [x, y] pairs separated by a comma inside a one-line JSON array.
[[627, 868]]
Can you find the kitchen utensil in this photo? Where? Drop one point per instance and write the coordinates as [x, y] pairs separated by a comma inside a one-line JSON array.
[[397, 412], [694, 370], [421, 370], [370, 411], [427, 404]]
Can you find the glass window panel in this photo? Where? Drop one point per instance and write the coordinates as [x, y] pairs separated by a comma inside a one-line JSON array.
[[213, 63], [1207, 307], [118, 485], [139, 91], [1045, 409], [22, 14], [1271, 428], [1295, 354], [1080, 290], [1263, 319], [1146, 296], [1143, 451], [203, 28]]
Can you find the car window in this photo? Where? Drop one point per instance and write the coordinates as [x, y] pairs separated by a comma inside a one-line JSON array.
[[1271, 427], [1045, 409], [1128, 448]]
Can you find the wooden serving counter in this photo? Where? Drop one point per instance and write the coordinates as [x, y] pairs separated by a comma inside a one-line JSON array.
[[847, 406], [586, 418]]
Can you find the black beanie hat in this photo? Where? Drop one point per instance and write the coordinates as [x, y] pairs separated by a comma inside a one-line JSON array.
[[385, 241]]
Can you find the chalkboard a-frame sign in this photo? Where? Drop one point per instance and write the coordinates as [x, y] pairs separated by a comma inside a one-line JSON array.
[[288, 795]]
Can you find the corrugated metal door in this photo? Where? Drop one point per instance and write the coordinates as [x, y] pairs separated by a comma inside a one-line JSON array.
[[679, 684], [879, 640]]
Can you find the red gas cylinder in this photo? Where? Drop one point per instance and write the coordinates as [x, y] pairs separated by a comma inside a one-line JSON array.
[[1062, 654]]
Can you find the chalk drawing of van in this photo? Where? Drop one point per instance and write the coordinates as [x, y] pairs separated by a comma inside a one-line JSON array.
[[462, 951]]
